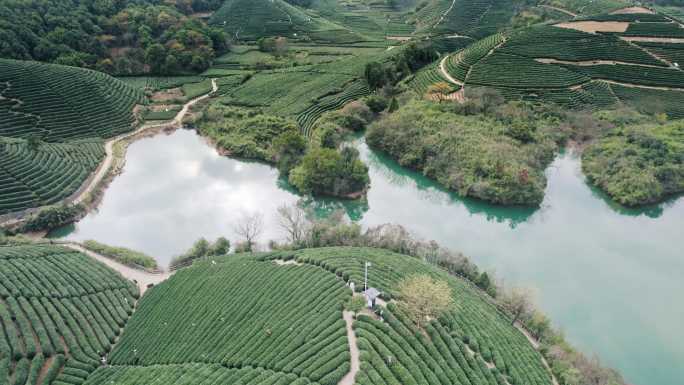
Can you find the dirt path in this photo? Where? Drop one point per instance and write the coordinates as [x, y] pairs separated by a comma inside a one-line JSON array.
[[353, 350], [536, 345], [632, 85], [104, 167], [561, 10], [441, 19], [589, 63], [142, 278], [445, 73]]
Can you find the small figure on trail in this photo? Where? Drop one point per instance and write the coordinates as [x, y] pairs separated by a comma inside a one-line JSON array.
[[351, 286], [268, 332]]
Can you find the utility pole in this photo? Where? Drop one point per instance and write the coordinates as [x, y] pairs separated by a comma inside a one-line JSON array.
[[365, 280]]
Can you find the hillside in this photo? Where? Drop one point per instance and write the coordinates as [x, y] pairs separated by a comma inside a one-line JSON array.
[[593, 63], [53, 120], [60, 312], [250, 20], [266, 321]]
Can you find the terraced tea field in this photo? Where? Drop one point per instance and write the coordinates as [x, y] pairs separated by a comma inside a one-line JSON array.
[[577, 69], [247, 319], [60, 312], [53, 121]]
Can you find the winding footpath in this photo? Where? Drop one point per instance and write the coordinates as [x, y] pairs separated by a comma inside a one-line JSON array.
[[105, 166], [140, 277]]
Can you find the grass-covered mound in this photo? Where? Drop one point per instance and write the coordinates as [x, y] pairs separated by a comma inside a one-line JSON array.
[[60, 312], [498, 160], [473, 343], [237, 312], [638, 165], [52, 122], [255, 319], [58, 103]]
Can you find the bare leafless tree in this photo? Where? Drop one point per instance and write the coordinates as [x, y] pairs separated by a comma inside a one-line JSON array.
[[520, 302], [292, 219], [249, 228]]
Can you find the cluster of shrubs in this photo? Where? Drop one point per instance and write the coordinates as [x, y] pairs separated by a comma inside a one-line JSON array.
[[320, 166], [122, 255]]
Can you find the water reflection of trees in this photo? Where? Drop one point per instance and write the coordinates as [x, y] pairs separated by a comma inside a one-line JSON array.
[[431, 191]]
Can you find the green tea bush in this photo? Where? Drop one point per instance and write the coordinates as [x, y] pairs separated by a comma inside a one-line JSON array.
[[60, 310], [238, 312]]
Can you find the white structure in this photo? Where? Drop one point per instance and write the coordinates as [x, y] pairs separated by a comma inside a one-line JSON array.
[[371, 295]]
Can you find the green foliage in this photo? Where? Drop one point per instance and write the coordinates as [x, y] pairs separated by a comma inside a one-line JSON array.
[[396, 351], [122, 37], [52, 217], [479, 155], [122, 255], [244, 132], [201, 249], [285, 319], [638, 165], [356, 304], [325, 171], [59, 103], [57, 303], [45, 175]]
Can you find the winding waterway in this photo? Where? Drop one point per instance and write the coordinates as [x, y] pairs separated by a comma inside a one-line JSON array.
[[611, 278]]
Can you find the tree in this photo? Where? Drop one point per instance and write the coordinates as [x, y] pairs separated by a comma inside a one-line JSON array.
[[439, 91], [287, 150], [424, 298], [220, 247], [293, 220], [519, 302], [394, 105], [375, 75], [249, 228]]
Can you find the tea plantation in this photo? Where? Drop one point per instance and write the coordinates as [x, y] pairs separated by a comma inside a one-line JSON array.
[[53, 120], [580, 70], [244, 319], [60, 311]]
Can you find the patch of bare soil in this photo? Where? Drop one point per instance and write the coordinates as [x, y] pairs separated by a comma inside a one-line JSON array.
[[166, 95], [632, 10], [163, 107], [202, 15], [589, 63], [653, 39], [399, 38], [595, 26]]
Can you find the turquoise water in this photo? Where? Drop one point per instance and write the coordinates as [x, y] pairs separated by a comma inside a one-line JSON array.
[[611, 278]]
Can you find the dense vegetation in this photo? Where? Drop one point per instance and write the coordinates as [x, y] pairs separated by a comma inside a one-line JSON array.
[[60, 312], [638, 165], [499, 159], [121, 37], [122, 255], [317, 168]]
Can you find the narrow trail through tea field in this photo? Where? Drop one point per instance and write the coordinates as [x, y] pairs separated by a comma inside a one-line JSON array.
[[142, 278], [353, 350]]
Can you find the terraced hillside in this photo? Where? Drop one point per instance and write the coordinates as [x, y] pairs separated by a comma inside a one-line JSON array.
[[60, 311], [257, 319], [582, 64], [251, 19], [53, 120]]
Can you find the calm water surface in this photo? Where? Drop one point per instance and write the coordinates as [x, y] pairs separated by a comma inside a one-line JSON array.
[[611, 278]]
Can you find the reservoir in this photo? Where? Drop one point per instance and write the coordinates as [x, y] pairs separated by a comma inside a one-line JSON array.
[[611, 278]]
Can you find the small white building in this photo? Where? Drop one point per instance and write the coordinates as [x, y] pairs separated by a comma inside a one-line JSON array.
[[371, 295]]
